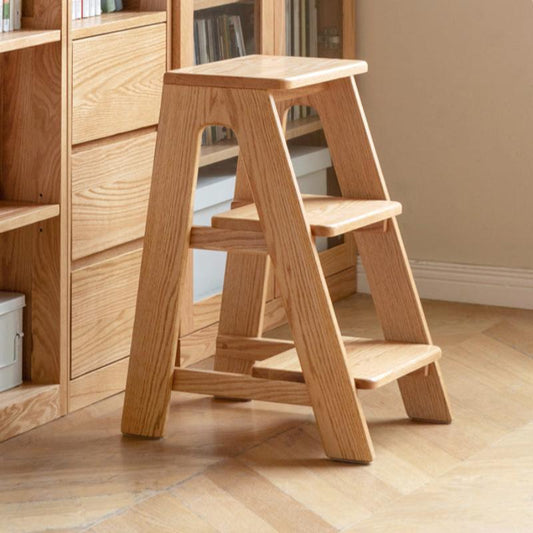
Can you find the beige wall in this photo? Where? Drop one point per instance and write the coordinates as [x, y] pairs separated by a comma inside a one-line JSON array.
[[449, 98]]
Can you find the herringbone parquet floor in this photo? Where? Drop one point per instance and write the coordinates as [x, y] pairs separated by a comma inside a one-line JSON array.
[[253, 467]]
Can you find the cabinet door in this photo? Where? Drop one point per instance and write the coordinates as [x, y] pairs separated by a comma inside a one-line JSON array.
[[110, 189], [117, 81], [103, 310]]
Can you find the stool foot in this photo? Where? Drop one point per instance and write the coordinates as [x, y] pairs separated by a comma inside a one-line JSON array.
[[424, 396]]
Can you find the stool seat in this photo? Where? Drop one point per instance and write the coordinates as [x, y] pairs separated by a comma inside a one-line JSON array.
[[371, 363], [328, 216], [266, 72]]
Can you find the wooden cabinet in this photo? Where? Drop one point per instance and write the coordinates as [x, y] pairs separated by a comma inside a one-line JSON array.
[[117, 64]]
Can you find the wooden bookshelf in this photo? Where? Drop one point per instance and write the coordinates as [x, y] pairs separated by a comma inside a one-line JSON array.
[[33, 231], [18, 40], [112, 22]]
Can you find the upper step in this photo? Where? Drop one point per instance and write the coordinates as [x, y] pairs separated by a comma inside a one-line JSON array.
[[266, 72], [328, 216]]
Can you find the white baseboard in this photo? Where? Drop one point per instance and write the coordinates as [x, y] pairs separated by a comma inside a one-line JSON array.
[[506, 287]]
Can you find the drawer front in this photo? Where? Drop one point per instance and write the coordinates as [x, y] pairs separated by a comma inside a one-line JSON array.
[[103, 310], [117, 81], [110, 189]]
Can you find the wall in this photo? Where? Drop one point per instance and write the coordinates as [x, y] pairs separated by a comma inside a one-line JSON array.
[[449, 98]]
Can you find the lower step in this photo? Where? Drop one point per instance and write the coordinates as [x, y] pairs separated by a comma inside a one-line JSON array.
[[372, 363]]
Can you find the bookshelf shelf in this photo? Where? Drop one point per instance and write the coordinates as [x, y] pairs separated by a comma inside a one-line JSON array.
[[223, 150], [303, 126], [14, 215], [26, 407], [17, 40], [208, 4], [111, 22]]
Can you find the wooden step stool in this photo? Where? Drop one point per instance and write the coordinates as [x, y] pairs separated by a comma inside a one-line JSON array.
[[272, 222]]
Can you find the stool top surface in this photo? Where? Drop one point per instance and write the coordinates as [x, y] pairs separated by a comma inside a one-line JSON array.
[[266, 72]]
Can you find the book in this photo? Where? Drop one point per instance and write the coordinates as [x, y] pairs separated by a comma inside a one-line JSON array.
[[17, 14], [108, 6], [312, 10], [218, 36], [5, 15]]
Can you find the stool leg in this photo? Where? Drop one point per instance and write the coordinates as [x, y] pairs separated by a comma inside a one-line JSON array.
[[309, 310], [389, 274], [244, 294], [164, 264], [402, 318], [245, 283]]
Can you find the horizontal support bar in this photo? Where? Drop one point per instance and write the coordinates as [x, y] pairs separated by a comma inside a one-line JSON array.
[[251, 348], [240, 386], [224, 240]]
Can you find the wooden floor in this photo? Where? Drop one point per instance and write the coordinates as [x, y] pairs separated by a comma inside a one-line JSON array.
[[259, 467]]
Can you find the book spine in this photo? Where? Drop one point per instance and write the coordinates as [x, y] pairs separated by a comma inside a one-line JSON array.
[[202, 39], [5, 15], [108, 6], [17, 14], [313, 29]]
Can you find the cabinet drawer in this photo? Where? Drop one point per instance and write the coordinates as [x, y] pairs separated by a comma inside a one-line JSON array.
[[117, 80], [110, 189], [103, 310]]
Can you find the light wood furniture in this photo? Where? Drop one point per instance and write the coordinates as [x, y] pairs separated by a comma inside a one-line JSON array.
[[326, 368], [116, 66], [33, 244]]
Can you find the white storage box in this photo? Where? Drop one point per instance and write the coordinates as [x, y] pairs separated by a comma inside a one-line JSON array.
[[214, 193], [11, 333]]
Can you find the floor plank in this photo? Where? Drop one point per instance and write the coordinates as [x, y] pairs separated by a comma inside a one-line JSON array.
[[492, 491]]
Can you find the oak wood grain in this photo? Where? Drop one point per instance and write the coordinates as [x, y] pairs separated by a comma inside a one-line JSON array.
[[26, 407], [266, 72], [239, 386], [328, 216], [103, 309], [11, 41], [110, 189], [372, 364], [131, 64], [15, 215]]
